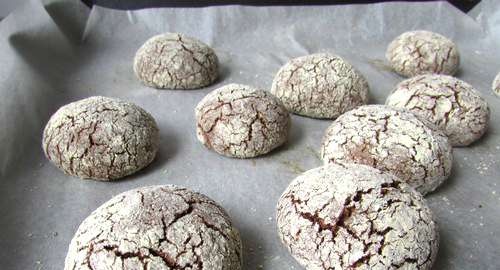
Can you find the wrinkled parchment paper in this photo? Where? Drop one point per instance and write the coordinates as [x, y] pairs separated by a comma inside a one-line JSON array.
[[56, 52]]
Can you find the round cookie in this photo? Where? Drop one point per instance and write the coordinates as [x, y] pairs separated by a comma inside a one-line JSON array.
[[241, 121], [320, 86], [356, 217], [423, 52], [156, 227], [496, 85], [391, 140], [100, 138], [176, 61], [452, 105]]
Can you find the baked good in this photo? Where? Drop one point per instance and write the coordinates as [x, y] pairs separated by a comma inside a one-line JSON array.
[[423, 52], [241, 121], [100, 138], [391, 140], [453, 105], [175, 61], [356, 217], [320, 85], [156, 227]]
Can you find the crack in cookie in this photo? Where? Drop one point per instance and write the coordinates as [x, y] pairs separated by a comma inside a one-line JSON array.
[[353, 216]]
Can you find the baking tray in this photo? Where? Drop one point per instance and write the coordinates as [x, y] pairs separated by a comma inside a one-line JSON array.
[[56, 52]]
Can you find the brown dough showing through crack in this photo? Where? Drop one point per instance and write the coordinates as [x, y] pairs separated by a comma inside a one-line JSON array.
[[156, 227], [423, 52], [176, 61], [451, 104], [356, 217], [320, 86], [100, 138], [240, 121], [391, 140]]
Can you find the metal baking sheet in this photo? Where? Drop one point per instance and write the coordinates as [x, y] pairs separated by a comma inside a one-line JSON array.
[[56, 52]]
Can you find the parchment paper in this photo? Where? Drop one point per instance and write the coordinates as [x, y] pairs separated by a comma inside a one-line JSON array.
[[56, 52], [487, 14]]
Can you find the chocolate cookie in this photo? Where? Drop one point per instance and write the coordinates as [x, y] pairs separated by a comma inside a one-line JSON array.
[[156, 227], [423, 52], [391, 140], [176, 61], [100, 138], [241, 121], [449, 103], [355, 217], [320, 86]]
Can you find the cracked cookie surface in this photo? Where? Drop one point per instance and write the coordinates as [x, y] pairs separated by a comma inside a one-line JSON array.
[[423, 52], [156, 227], [100, 138], [176, 61], [320, 85], [452, 105], [496, 85], [392, 140], [356, 217], [241, 121]]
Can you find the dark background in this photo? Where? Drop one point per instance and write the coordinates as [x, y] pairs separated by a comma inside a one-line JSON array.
[[464, 5]]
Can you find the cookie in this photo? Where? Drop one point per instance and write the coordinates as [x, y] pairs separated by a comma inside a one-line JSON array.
[[156, 227], [241, 121], [175, 61], [320, 86], [496, 85], [391, 140], [423, 52], [451, 104], [356, 217], [100, 138]]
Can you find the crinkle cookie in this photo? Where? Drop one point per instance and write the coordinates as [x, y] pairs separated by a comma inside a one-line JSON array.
[[391, 140], [156, 227], [176, 61], [241, 121], [451, 104], [423, 52], [356, 217], [496, 85], [320, 86], [100, 138]]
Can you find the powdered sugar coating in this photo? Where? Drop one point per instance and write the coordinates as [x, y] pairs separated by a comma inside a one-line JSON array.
[[100, 138], [423, 52], [391, 140], [355, 217], [320, 86], [496, 85], [156, 227], [451, 104], [175, 61], [241, 121]]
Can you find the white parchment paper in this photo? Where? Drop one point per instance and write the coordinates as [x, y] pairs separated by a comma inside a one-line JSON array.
[[56, 52]]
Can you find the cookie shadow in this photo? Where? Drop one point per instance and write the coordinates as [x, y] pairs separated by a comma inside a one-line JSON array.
[[224, 73], [253, 250], [168, 148], [295, 136], [449, 182], [444, 253]]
